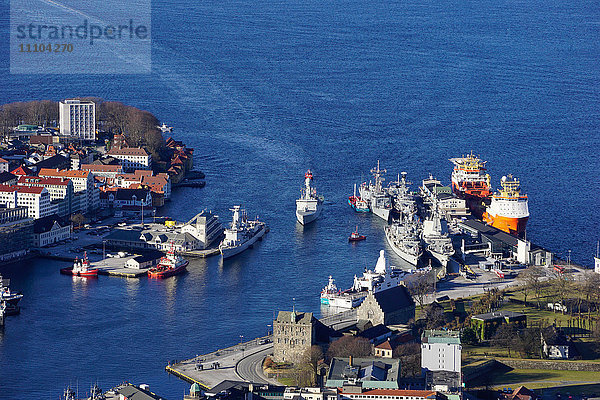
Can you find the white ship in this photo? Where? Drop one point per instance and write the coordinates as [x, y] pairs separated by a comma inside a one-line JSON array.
[[437, 241], [242, 233], [375, 195], [508, 210], [309, 205], [382, 278], [6, 295], [404, 238]]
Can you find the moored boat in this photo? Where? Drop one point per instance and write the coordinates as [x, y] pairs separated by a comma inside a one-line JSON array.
[[508, 210], [471, 182], [309, 205], [374, 194], [358, 204], [81, 268], [242, 233], [8, 296], [169, 265], [403, 236]]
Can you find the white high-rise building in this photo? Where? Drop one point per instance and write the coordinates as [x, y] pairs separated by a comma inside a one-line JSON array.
[[77, 118], [441, 351]]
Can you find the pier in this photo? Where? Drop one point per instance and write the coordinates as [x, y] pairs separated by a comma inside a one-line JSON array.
[[242, 361]]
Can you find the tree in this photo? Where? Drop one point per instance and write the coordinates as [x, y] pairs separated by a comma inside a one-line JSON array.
[[421, 286], [533, 277], [313, 356], [347, 346], [468, 336], [434, 316], [504, 337], [410, 358], [78, 219]]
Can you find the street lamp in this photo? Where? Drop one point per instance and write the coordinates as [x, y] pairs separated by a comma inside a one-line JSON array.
[[104, 251], [268, 330], [569, 258]]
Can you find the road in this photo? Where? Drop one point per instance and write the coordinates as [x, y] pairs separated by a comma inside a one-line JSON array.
[[249, 368]]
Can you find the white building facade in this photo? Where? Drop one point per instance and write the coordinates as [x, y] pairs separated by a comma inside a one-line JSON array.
[[441, 351], [77, 118]]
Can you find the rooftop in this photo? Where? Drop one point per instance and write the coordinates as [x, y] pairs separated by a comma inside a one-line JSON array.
[[128, 151], [439, 336], [65, 173], [295, 316]]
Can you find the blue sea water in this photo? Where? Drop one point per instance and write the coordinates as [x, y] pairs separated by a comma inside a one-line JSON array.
[[265, 90]]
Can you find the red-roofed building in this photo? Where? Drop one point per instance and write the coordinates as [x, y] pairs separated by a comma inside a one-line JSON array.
[[358, 393], [132, 158], [22, 170], [60, 191], [109, 171], [84, 187], [36, 199]]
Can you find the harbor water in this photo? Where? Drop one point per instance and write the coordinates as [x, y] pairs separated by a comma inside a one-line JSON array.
[[265, 90]]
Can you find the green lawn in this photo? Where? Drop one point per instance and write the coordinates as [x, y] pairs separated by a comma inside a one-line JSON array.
[[538, 378]]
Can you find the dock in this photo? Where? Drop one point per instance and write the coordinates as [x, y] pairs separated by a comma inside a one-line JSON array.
[[117, 266], [201, 253]]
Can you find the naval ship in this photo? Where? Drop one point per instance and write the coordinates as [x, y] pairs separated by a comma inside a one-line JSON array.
[[382, 278], [404, 237], [309, 205], [403, 199], [241, 234], [375, 195], [437, 241]]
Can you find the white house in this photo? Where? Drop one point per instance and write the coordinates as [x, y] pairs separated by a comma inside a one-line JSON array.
[[36, 199], [132, 158], [49, 230], [77, 118]]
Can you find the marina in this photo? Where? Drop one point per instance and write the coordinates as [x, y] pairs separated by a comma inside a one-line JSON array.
[[280, 88]]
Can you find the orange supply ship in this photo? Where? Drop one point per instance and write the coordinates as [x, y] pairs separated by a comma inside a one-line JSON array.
[[469, 177], [509, 209]]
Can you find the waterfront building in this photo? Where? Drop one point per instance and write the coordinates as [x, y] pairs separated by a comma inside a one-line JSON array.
[[83, 184], [205, 227], [16, 233], [132, 158], [36, 199], [388, 307], [155, 237], [485, 325], [3, 165], [60, 191], [50, 229], [77, 118], [365, 373], [136, 198], [293, 335], [441, 351]]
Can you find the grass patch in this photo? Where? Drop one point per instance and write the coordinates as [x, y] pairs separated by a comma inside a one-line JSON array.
[[537, 378]]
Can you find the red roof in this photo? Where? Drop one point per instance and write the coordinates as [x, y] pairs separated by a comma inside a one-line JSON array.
[[127, 151], [22, 170], [37, 180], [21, 189], [2, 160], [65, 173], [101, 168]]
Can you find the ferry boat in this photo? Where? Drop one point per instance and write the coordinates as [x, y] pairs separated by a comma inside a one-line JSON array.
[[437, 241], [81, 268], [356, 237], [508, 210], [309, 205], [470, 181], [8, 296], [169, 265], [241, 234], [374, 194], [382, 278], [358, 204], [404, 238]]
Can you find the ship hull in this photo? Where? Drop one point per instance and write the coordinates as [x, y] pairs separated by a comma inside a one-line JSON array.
[[383, 213], [342, 301], [352, 200], [167, 273], [306, 217], [410, 258], [13, 299], [514, 226], [93, 273], [230, 251]]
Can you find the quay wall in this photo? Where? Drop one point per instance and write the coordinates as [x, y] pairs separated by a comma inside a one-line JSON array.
[[561, 365]]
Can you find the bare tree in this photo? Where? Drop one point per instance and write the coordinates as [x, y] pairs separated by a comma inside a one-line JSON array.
[[410, 358], [533, 277], [422, 286], [347, 346], [312, 357]]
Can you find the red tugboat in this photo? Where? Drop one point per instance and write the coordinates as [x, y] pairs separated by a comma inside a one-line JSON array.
[[81, 268], [356, 237], [169, 265]]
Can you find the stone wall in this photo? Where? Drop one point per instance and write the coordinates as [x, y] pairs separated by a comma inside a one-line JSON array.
[[550, 364]]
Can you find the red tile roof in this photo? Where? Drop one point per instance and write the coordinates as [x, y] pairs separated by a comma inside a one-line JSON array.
[[128, 151], [37, 180], [65, 173]]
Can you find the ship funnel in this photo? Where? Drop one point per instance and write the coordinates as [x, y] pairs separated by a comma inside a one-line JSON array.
[[504, 179], [381, 263]]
